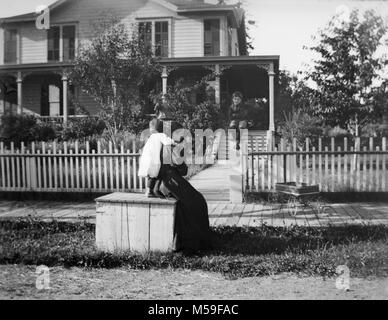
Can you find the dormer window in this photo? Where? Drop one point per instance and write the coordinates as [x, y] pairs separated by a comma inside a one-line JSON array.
[[212, 45], [156, 35]]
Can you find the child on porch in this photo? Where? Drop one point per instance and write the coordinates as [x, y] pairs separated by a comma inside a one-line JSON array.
[[150, 162]]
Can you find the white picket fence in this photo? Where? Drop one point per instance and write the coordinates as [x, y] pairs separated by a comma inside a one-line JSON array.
[[335, 168], [68, 168]]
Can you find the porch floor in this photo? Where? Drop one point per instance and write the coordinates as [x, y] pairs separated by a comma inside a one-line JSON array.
[[220, 213]]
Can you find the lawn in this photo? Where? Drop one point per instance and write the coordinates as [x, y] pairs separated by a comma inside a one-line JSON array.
[[236, 252]]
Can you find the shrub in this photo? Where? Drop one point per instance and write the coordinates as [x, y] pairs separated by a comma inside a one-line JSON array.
[[17, 128], [82, 128], [258, 114], [206, 115], [24, 128], [46, 131], [300, 126]]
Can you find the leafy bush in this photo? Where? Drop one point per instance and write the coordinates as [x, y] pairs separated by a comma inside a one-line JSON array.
[[300, 126], [82, 128], [206, 115], [258, 114], [24, 128]]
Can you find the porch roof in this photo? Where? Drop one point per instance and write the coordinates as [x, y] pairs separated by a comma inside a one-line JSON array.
[[223, 61], [172, 62], [35, 67]]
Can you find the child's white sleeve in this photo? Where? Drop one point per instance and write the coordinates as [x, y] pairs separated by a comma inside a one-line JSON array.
[[165, 140]]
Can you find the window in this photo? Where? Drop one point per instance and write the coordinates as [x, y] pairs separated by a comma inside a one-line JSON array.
[[161, 39], [53, 43], [66, 34], [145, 33], [68, 43], [10, 46], [155, 36], [212, 37]]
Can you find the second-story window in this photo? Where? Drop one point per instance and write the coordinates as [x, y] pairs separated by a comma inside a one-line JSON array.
[[155, 36], [212, 37], [10, 46], [161, 38], [56, 35], [53, 36], [145, 32], [68, 43]]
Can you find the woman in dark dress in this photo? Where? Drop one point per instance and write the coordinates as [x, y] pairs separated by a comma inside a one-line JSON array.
[[192, 231]]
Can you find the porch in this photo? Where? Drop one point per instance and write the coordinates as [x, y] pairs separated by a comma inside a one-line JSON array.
[[43, 90], [46, 90]]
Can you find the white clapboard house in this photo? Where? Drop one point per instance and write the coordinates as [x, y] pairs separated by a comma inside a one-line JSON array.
[[190, 35]]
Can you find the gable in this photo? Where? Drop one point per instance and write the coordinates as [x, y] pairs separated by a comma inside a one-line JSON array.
[[155, 9]]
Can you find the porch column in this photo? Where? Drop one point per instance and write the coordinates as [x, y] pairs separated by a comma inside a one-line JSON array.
[[271, 75], [164, 81], [19, 82], [65, 102], [218, 85]]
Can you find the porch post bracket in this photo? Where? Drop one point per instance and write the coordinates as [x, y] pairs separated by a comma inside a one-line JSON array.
[[265, 66]]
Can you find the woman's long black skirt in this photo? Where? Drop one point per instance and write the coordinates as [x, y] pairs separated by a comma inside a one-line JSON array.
[[192, 231]]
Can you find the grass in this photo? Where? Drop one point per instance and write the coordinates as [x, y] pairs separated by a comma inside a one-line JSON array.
[[237, 252]]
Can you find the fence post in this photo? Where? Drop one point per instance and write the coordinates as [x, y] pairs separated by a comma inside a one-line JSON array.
[[33, 169]]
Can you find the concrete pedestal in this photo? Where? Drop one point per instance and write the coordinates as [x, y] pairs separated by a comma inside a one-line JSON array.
[[128, 221]]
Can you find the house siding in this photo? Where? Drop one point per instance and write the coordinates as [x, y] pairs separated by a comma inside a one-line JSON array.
[[186, 32], [88, 12], [188, 38], [33, 44]]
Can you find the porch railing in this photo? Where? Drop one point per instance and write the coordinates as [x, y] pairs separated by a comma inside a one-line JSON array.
[[59, 119]]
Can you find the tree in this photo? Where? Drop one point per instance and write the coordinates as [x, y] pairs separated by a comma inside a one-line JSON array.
[[111, 69], [348, 73], [294, 94]]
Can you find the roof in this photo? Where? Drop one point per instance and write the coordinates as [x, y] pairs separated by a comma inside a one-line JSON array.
[[191, 4], [32, 15], [182, 6]]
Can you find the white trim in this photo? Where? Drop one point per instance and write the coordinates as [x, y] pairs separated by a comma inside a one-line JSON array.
[[153, 36], [60, 43], [170, 33], [18, 46], [2, 46], [152, 21], [76, 38], [223, 34]]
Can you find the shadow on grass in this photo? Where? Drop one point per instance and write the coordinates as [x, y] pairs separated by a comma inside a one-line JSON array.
[[236, 252], [277, 240]]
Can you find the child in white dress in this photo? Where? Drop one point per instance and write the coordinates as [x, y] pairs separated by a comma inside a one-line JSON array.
[[150, 162]]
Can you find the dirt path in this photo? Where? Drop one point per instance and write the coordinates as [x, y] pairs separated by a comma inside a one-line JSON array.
[[18, 282]]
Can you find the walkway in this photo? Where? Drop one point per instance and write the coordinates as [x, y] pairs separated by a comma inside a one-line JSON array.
[[213, 183], [220, 213]]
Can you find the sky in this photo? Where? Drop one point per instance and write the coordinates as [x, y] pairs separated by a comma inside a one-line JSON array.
[[282, 27]]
